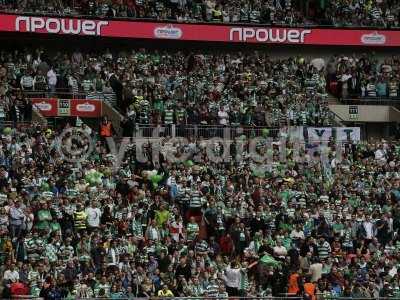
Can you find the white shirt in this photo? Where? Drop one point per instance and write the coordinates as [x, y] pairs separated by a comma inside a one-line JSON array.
[[280, 251], [223, 117], [88, 130], [113, 258], [51, 77], [393, 271], [93, 216], [379, 154], [297, 234], [153, 233], [316, 271], [232, 277], [178, 230], [11, 275], [369, 229]]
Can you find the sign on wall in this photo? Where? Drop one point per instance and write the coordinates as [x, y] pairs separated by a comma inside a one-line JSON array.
[[64, 109], [86, 108], [47, 107], [353, 112], [68, 107], [199, 32]]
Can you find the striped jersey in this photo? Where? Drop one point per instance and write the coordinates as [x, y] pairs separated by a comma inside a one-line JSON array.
[[192, 230], [169, 116], [195, 199], [73, 84], [51, 253], [105, 287], [27, 81], [393, 89], [71, 193], [390, 249], [376, 13], [324, 250], [87, 85], [201, 246], [47, 195], [181, 115], [183, 194], [196, 290], [212, 289], [137, 228], [371, 90], [244, 281]]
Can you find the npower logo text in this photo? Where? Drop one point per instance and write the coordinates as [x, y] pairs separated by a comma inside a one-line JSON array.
[[59, 25], [268, 35]]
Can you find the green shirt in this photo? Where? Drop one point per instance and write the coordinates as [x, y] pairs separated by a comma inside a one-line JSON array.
[[51, 253], [158, 105], [43, 216], [192, 231], [161, 217], [99, 287], [337, 227]]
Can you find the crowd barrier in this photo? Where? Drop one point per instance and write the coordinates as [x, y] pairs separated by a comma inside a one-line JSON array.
[[19, 125], [25, 297], [60, 93], [203, 131], [372, 101]]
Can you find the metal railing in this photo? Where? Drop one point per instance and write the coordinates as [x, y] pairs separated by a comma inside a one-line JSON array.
[[25, 297], [372, 101], [20, 125], [59, 93], [338, 120], [203, 131]]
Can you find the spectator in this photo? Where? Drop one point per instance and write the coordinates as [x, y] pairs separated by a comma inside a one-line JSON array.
[[11, 274], [17, 218], [27, 82], [52, 80]]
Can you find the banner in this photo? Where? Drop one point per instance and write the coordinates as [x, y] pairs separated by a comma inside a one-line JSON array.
[[199, 32], [86, 108], [47, 107], [68, 107], [319, 134], [348, 133]]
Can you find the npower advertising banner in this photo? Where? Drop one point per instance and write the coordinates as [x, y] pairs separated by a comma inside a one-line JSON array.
[[68, 107], [198, 32]]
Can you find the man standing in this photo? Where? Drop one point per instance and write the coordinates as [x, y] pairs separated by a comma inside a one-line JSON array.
[[17, 218], [106, 130], [52, 80], [80, 218], [93, 216], [316, 270]]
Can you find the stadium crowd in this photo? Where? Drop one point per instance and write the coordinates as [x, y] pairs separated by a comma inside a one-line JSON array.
[[151, 87], [376, 13], [198, 227], [363, 76], [225, 89]]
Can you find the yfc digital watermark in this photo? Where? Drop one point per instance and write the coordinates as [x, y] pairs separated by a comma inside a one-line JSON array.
[[75, 145]]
